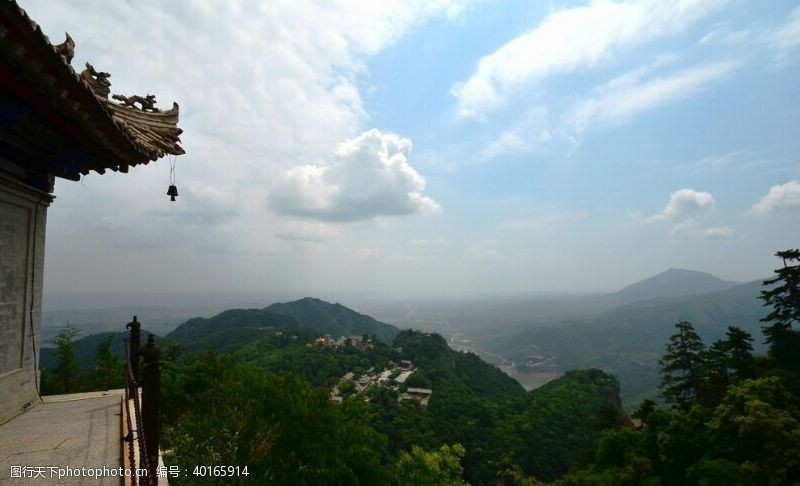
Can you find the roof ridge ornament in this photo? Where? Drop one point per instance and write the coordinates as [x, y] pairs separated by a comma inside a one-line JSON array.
[[147, 102], [67, 48], [97, 81]]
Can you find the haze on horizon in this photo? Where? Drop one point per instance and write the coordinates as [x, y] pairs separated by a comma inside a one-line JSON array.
[[438, 148]]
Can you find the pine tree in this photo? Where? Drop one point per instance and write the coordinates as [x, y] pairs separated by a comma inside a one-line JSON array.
[[726, 360], [66, 372], [784, 297], [683, 367], [717, 371], [738, 352], [107, 367]]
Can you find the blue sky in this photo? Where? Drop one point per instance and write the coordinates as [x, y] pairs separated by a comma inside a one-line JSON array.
[[430, 148]]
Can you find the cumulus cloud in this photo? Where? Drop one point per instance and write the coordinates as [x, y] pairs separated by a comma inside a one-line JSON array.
[[628, 96], [262, 86], [782, 197], [369, 176], [682, 203], [692, 229], [572, 39]]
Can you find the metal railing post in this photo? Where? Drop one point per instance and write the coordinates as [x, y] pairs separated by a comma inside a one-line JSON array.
[[135, 327], [151, 383]]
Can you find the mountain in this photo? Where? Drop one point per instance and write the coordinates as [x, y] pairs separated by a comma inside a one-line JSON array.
[[442, 367], [628, 340], [562, 418], [86, 347], [334, 319], [672, 283], [234, 327], [227, 329]]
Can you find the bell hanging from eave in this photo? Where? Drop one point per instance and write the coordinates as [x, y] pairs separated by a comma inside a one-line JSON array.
[[172, 192]]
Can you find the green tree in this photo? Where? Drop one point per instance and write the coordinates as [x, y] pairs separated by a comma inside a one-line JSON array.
[[710, 472], [217, 410], [435, 468], [784, 297], [66, 373], [346, 388], [738, 348], [107, 367], [173, 351], [758, 425], [717, 369], [682, 367]]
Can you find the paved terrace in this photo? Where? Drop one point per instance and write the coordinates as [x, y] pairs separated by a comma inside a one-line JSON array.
[[77, 430]]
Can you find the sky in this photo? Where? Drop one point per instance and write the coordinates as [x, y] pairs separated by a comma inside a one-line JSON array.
[[437, 147]]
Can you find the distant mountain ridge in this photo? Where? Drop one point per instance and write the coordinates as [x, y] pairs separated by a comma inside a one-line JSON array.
[[334, 319], [629, 339], [674, 282], [235, 326]]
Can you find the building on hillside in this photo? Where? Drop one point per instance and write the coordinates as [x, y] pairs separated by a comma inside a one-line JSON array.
[[402, 377], [55, 122], [324, 341], [422, 395]]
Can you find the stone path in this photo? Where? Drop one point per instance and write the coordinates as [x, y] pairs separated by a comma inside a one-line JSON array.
[[77, 431]]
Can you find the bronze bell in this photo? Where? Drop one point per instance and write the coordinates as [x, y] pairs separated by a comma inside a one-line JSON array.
[[172, 192]]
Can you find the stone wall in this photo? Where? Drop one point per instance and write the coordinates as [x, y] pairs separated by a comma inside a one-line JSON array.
[[23, 214]]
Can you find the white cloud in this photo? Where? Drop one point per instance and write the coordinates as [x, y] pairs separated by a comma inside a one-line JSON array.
[[718, 232], [263, 86], [684, 228], [540, 222], [572, 39], [485, 252], [509, 142], [723, 35], [684, 202], [526, 136], [788, 35], [782, 197], [691, 229], [628, 96], [368, 177], [718, 162]]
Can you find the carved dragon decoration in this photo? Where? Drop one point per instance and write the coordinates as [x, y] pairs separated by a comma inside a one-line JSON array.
[[67, 48], [98, 81], [147, 102]]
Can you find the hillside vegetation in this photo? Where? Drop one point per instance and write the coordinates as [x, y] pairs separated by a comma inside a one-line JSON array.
[[730, 415], [628, 340]]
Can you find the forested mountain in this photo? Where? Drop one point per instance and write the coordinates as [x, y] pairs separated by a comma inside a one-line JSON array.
[[628, 340], [502, 428], [334, 319], [441, 366], [228, 329], [86, 346], [733, 416], [238, 326]]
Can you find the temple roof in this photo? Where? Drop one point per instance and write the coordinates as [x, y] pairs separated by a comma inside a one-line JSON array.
[[64, 122]]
